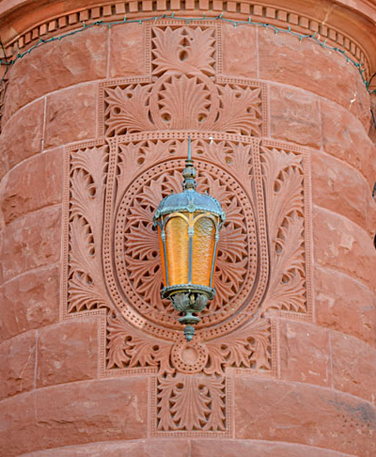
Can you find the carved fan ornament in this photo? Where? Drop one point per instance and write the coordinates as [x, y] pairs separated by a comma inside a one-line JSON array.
[[113, 187]]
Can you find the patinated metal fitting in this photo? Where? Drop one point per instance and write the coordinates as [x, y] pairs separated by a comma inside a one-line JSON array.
[[189, 172]]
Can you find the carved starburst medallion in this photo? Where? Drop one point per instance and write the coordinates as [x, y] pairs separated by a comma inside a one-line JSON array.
[[141, 183]]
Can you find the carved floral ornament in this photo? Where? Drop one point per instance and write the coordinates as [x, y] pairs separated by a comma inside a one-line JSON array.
[[112, 258]]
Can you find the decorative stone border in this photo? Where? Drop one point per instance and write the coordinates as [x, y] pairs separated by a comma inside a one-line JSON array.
[[259, 13]]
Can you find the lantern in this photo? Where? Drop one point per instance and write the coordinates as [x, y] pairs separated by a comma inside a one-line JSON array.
[[188, 229]]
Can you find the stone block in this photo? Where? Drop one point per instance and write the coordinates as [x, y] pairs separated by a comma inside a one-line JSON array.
[[73, 414], [31, 242], [17, 362], [283, 58], [304, 353], [67, 352], [239, 51], [349, 307], [338, 187], [22, 137], [127, 56], [81, 57], [361, 109], [354, 366], [71, 115], [294, 116], [301, 413], [250, 448], [18, 427], [83, 412], [34, 184], [345, 138], [29, 301], [138, 448], [342, 245]]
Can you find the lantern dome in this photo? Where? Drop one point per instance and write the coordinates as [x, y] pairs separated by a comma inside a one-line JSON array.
[[189, 200]]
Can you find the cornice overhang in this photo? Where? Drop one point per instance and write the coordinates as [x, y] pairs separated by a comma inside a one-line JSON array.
[[349, 25]]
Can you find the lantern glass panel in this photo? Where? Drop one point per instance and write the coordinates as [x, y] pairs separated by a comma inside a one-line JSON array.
[[161, 250], [177, 247], [203, 250]]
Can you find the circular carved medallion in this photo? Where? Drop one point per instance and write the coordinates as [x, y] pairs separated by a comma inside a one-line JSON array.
[[189, 357]]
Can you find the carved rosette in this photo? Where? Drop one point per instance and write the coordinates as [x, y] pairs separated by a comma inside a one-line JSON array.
[[112, 262]]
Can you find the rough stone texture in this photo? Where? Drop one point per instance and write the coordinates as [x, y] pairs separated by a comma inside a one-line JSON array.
[[31, 241], [67, 352], [34, 184], [238, 43], [350, 307], [362, 105], [17, 362], [22, 137], [304, 353], [139, 448], [70, 115], [340, 188], [294, 116], [18, 427], [345, 138], [77, 413], [244, 448], [194, 448], [284, 59], [343, 245], [295, 412], [127, 51], [354, 366], [79, 58], [29, 301]]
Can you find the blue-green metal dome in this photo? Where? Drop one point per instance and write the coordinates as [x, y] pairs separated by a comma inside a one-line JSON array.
[[189, 200]]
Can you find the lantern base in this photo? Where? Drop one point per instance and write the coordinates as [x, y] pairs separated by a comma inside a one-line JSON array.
[[189, 302], [167, 292]]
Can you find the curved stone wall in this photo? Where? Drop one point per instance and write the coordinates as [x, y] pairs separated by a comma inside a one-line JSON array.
[[301, 380]]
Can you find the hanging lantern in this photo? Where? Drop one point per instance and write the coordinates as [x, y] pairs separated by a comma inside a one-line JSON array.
[[188, 229]]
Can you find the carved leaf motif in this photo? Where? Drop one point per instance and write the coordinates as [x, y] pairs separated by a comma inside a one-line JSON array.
[[84, 294], [184, 102], [284, 189], [250, 348], [86, 287], [187, 402], [183, 50], [287, 285], [127, 348], [127, 110], [240, 111], [284, 179]]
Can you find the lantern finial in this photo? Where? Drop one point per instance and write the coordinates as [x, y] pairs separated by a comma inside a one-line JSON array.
[[189, 172]]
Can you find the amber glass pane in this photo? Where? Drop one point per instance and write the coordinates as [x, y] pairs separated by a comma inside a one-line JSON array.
[[177, 244], [162, 256], [203, 248]]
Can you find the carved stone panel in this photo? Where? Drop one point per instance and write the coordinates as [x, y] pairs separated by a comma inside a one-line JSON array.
[[111, 253]]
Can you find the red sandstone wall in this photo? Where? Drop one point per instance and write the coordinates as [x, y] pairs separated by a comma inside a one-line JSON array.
[[322, 400]]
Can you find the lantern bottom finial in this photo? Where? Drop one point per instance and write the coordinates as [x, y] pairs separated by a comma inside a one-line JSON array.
[[189, 303], [189, 332]]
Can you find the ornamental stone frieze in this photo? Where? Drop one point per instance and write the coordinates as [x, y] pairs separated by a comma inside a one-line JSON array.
[[111, 254]]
